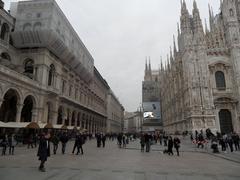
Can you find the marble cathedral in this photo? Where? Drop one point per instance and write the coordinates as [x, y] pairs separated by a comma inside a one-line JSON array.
[[200, 83]]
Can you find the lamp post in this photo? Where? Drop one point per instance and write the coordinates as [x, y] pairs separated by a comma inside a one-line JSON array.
[[141, 116]]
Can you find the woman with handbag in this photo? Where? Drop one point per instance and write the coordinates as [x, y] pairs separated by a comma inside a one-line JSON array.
[[176, 142]]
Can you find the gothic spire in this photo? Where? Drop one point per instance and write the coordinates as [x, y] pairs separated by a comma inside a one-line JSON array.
[[174, 47], [206, 27], [210, 17], [150, 69], [146, 66], [197, 22], [162, 68], [185, 18], [171, 55]]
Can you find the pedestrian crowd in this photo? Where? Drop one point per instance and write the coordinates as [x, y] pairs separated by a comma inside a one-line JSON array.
[[148, 139], [228, 142]]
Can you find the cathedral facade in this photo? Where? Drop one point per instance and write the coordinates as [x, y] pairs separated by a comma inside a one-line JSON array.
[[200, 83], [47, 75]]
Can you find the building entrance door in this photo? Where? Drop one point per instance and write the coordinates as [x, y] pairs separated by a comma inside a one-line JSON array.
[[225, 119]]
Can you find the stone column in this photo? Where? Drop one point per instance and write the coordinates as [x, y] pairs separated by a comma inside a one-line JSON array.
[[54, 117], [90, 126], [19, 111], [35, 115], [76, 119], [70, 118]]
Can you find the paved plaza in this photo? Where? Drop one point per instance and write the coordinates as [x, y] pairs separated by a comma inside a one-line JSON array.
[[117, 164]]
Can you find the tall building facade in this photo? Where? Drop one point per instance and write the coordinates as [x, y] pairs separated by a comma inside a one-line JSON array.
[[115, 114], [47, 75], [151, 99], [200, 83], [133, 122]]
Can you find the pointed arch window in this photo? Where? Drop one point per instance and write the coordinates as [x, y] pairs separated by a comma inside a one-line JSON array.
[[4, 31], [51, 75], [29, 68], [220, 80]]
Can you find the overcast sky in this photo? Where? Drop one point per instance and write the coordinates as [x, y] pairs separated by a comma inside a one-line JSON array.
[[121, 33]]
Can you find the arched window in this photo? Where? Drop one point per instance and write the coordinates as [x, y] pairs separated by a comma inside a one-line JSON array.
[[51, 75], [231, 13], [4, 31], [5, 56], [220, 80], [37, 26], [27, 27], [29, 68]]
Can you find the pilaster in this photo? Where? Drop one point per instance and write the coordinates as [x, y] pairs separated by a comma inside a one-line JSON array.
[[19, 111]]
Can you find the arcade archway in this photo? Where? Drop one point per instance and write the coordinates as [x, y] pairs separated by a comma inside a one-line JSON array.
[[26, 115], [8, 110]]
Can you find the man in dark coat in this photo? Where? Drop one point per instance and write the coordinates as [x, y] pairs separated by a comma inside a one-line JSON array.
[[79, 143], [99, 139], [75, 143], [170, 145], [64, 140], [147, 142], [55, 141], [43, 150], [103, 138], [176, 142]]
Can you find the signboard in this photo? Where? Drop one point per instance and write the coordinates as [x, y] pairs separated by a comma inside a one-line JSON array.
[[151, 110]]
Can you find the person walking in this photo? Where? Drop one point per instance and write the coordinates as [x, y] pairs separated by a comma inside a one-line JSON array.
[[80, 142], [12, 143], [55, 141], [235, 138], [75, 143], [142, 142], [99, 139], [230, 142], [64, 140], [119, 139], [30, 141], [103, 138], [43, 150], [223, 144], [176, 142], [4, 144], [124, 139], [170, 146], [147, 142]]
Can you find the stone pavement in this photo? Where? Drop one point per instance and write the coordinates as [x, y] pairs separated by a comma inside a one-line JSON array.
[[112, 163]]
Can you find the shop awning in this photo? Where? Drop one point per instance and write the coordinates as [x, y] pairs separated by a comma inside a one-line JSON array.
[[59, 126], [71, 127], [30, 125], [45, 125], [2, 124]]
